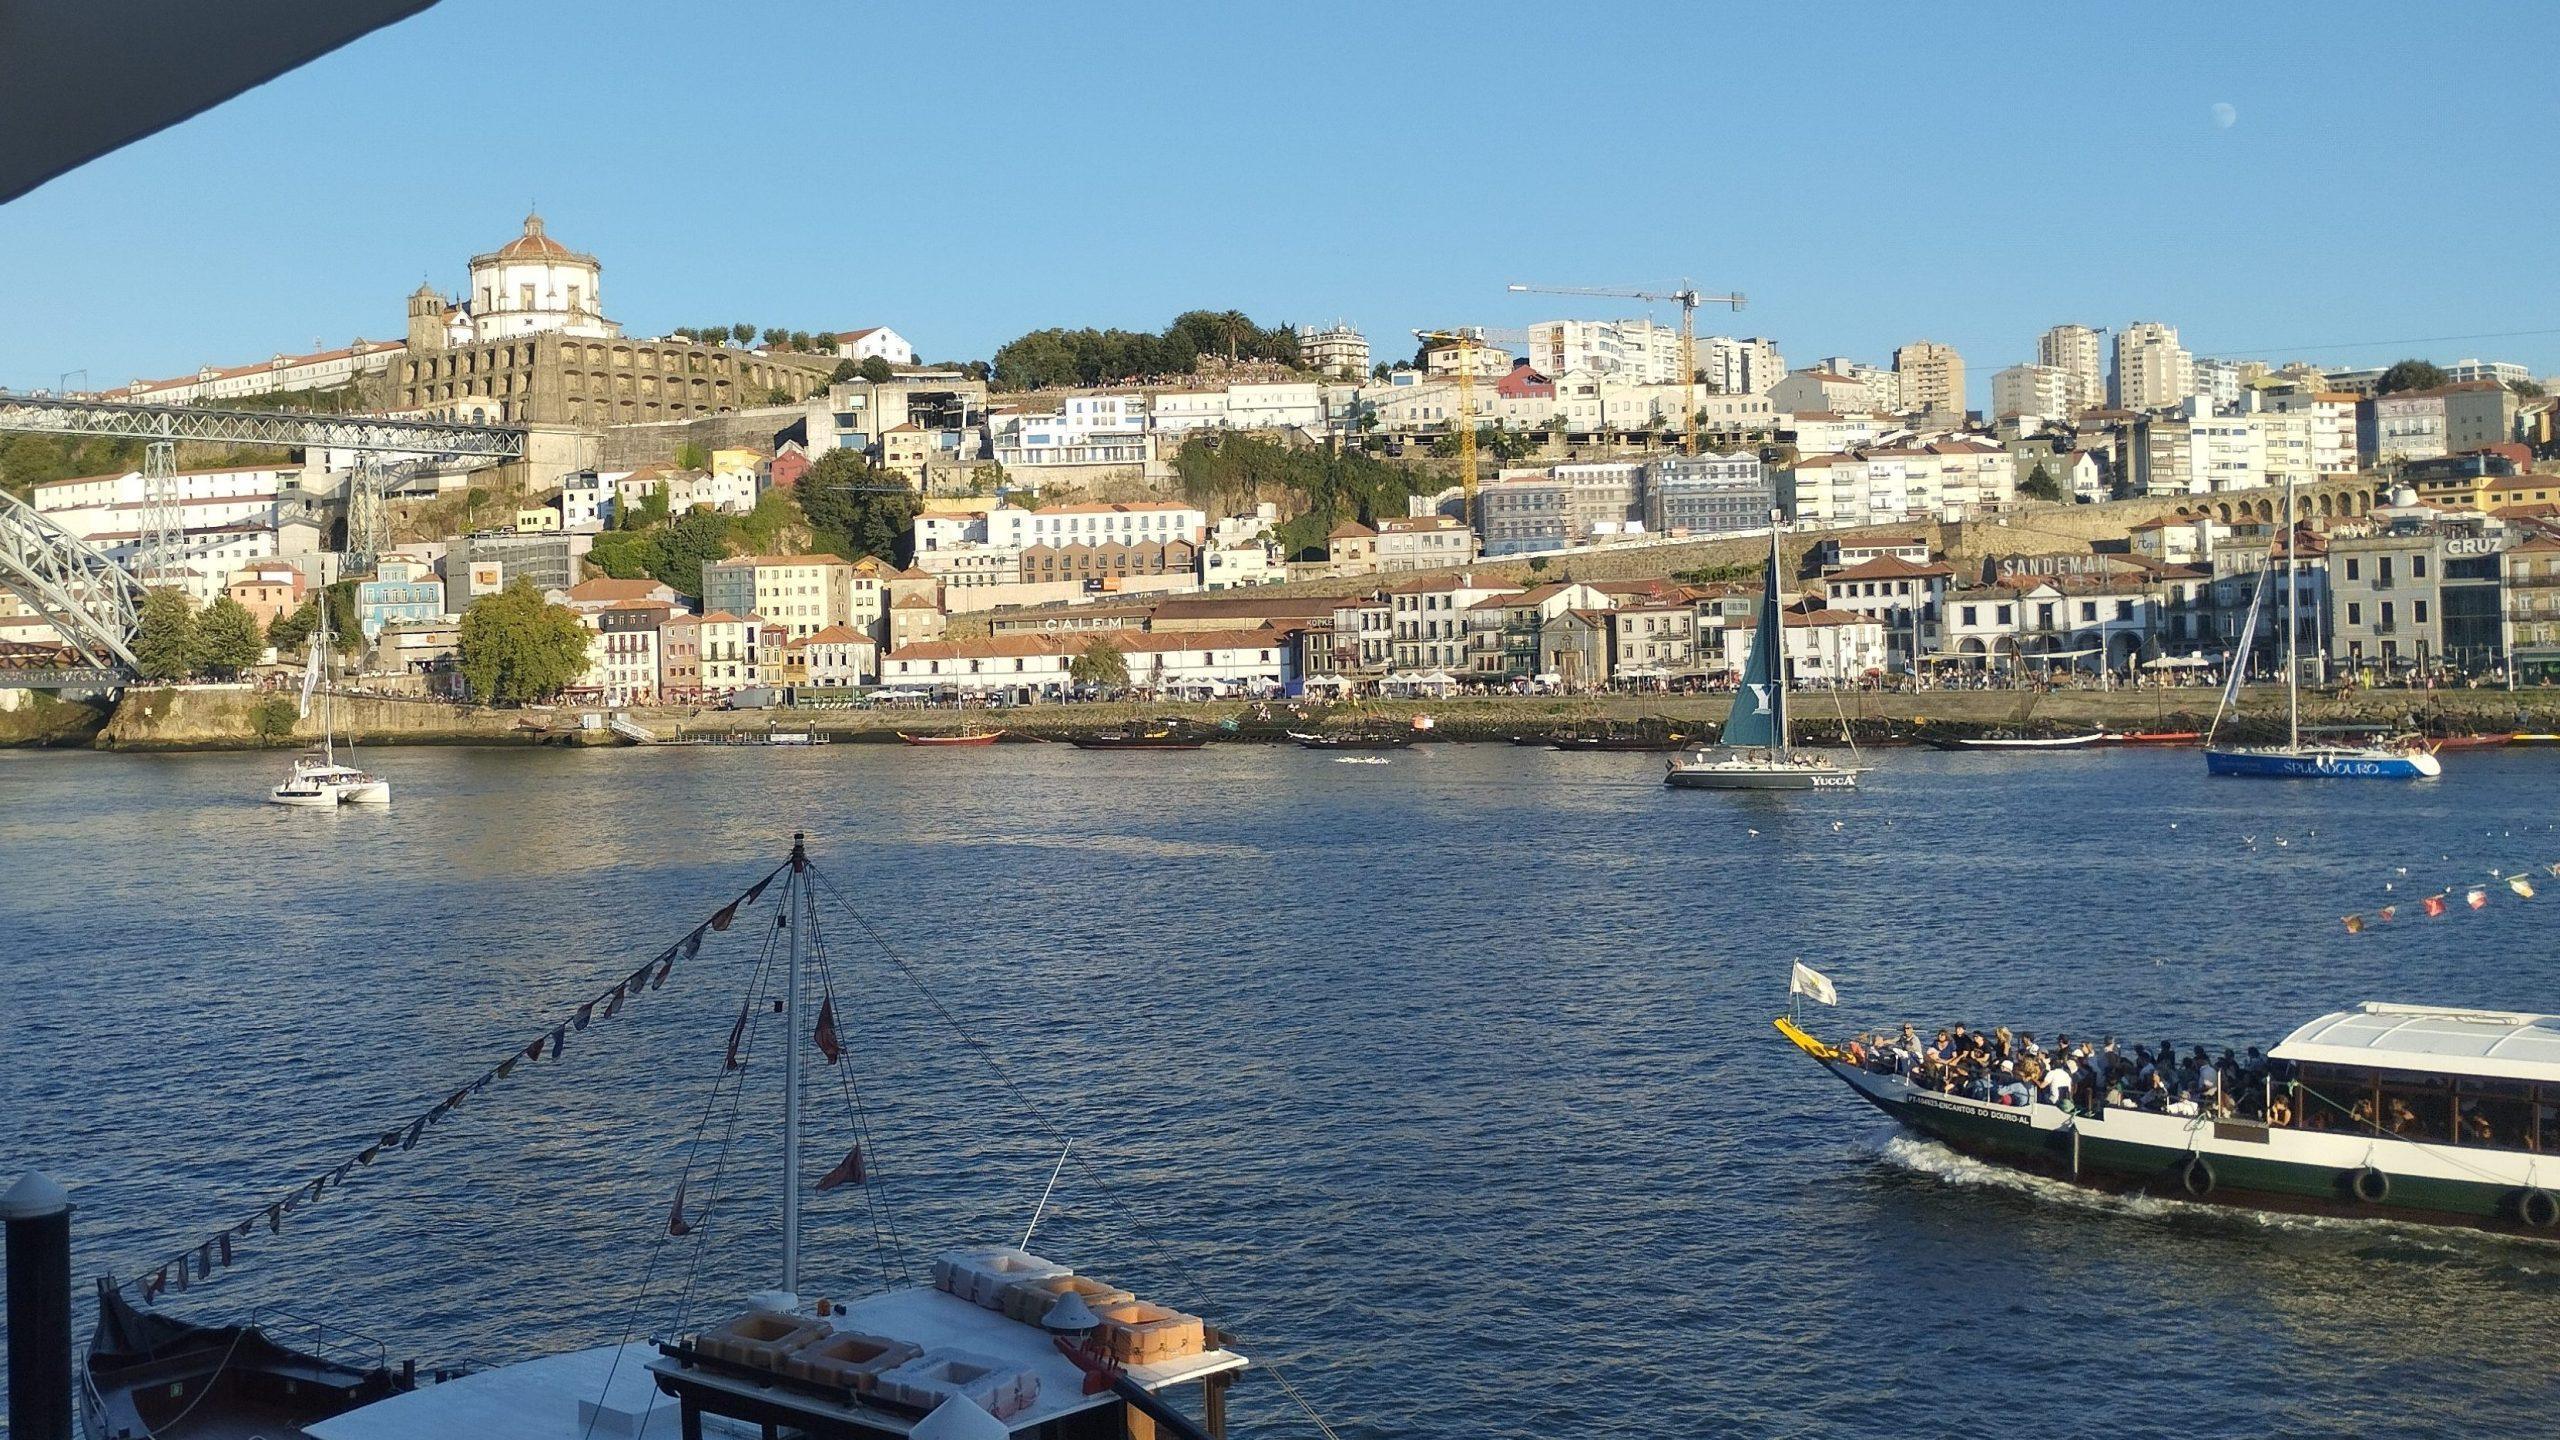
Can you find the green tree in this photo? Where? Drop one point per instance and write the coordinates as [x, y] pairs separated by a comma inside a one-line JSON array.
[[2039, 484], [346, 632], [686, 545], [692, 456], [164, 638], [2409, 375], [2528, 389], [845, 370], [624, 554], [271, 719], [227, 638], [515, 647], [289, 631], [777, 396], [855, 508], [802, 342], [654, 506], [1100, 666], [877, 370], [775, 336], [742, 332]]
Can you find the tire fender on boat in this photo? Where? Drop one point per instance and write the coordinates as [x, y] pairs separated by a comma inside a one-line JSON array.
[[2538, 1208], [2196, 1176], [2370, 1185]]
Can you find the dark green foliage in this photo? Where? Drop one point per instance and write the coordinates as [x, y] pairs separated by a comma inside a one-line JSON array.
[[855, 508], [1055, 357], [2409, 375], [1223, 473], [164, 643], [515, 647], [227, 638]]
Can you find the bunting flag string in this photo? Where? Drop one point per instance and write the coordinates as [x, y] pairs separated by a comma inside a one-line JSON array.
[[203, 1257], [2472, 895]]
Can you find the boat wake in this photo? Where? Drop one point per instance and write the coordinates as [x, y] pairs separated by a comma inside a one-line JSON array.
[[1927, 1158]]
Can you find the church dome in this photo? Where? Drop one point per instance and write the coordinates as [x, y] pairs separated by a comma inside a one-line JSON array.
[[534, 245]]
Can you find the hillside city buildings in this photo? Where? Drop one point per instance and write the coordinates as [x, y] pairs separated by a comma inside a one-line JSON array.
[[1065, 501]]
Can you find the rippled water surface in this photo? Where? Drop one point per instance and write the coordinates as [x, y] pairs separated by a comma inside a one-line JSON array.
[[1448, 1083]]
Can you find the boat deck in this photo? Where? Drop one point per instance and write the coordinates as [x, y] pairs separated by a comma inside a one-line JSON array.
[[542, 1399]]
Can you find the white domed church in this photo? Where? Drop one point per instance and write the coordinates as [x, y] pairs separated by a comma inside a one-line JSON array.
[[530, 285]]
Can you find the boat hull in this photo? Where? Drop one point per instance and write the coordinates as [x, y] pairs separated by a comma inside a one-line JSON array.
[[1110, 742], [1355, 742], [1761, 777], [2232, 1163], [989, 738], [2321, 765], [2061, 742]]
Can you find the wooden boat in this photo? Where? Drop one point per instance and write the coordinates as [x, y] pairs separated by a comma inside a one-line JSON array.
[[151, 1373], [965, 737], [1140, 738], [1370, 740], [2160, 737], [2023, 742], [2468, 742], [1621, 744], [2533, 737], [2398, 1112]]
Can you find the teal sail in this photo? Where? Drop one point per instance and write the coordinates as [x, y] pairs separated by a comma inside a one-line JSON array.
[[1759, 718]]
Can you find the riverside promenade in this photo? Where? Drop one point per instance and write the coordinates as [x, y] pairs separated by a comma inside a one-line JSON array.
[[226, 719]]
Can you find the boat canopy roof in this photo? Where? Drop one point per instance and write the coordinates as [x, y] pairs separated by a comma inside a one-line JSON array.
[[2431, 1039]]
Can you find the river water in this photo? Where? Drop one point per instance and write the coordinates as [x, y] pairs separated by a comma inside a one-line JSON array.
[[1448, 1083]]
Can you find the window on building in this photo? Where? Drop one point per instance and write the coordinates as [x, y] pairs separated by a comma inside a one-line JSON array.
[[2386, 614], [2418, 611], [2355, 613], [2353, 570], [2417, 570], [2382, 570]]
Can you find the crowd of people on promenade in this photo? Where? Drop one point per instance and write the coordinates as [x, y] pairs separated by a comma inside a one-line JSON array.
[[2080, 1076]]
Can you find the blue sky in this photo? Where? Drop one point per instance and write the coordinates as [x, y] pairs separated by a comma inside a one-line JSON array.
[[1867, 174]]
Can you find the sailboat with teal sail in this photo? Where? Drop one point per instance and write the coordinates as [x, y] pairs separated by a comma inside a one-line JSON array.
[[1753, 752]]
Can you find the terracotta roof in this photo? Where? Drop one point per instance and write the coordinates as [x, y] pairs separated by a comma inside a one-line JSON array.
[[723, 617], [820, 558], [849, 336], [913, 602], [1887, 567], [1401, 524], [535, 245], [604, 589], [1433, 584], [839, 635], [1111, 509], [1350, 530]]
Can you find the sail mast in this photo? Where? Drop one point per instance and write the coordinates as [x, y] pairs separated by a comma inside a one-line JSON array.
[[2292, 627], [795, 900], [1777, 633]]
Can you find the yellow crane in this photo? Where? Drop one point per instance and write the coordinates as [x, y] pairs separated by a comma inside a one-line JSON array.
[[1465, 338], [1689, 300]]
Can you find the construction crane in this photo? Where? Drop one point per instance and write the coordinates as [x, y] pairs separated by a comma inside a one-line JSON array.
[[1689, 300], [1466, 339]]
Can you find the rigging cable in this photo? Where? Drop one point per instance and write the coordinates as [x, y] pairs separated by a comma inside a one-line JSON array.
[[1037, 1115]]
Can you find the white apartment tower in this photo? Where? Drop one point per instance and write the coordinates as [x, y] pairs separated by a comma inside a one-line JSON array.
[[2153, 371], [2047, 391], [2073, 350], [1638, 351], [1932, 376], [1740, 367]]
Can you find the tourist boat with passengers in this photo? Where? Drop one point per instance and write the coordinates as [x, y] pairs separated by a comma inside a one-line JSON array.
[[1356, 739], [2403, 759], [2406, 1112], [1001, 1342], [318, 780], [1753, 751], [1169, 734]]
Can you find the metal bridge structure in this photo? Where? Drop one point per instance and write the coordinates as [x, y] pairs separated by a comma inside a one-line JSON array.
[[95, 604]]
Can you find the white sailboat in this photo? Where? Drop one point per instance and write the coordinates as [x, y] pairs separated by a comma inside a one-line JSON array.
[[1755, 751], [318, 780]]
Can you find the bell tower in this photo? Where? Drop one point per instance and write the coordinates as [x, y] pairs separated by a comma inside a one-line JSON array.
[[427, 314]]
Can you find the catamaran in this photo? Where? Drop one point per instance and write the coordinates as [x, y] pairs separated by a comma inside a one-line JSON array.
[[2407, 1112], [2293, 760], [1757, 755], [318, 781]]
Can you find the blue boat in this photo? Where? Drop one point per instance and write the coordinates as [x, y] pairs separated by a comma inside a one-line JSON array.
[[2294, 760], [2323, 762]]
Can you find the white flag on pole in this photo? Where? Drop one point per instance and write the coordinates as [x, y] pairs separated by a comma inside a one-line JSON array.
[[1813, 985]]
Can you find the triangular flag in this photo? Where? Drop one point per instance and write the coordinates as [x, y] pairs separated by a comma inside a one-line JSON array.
[[2355, 924], [848, 1172], [664, 966], [2478, 899], [826, 1033], [676, 1223], [223, 1252], [559, 1041], [720, 918], [2435, 906], [2387, 914], [756, 889], [585, 1012], [2520, 885], [507, 1066], [613, 1002], [410, 1140], [639, 980], [275, 1219], [737, 1033], [693, 943], [152, 1287], [534, 1050]]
